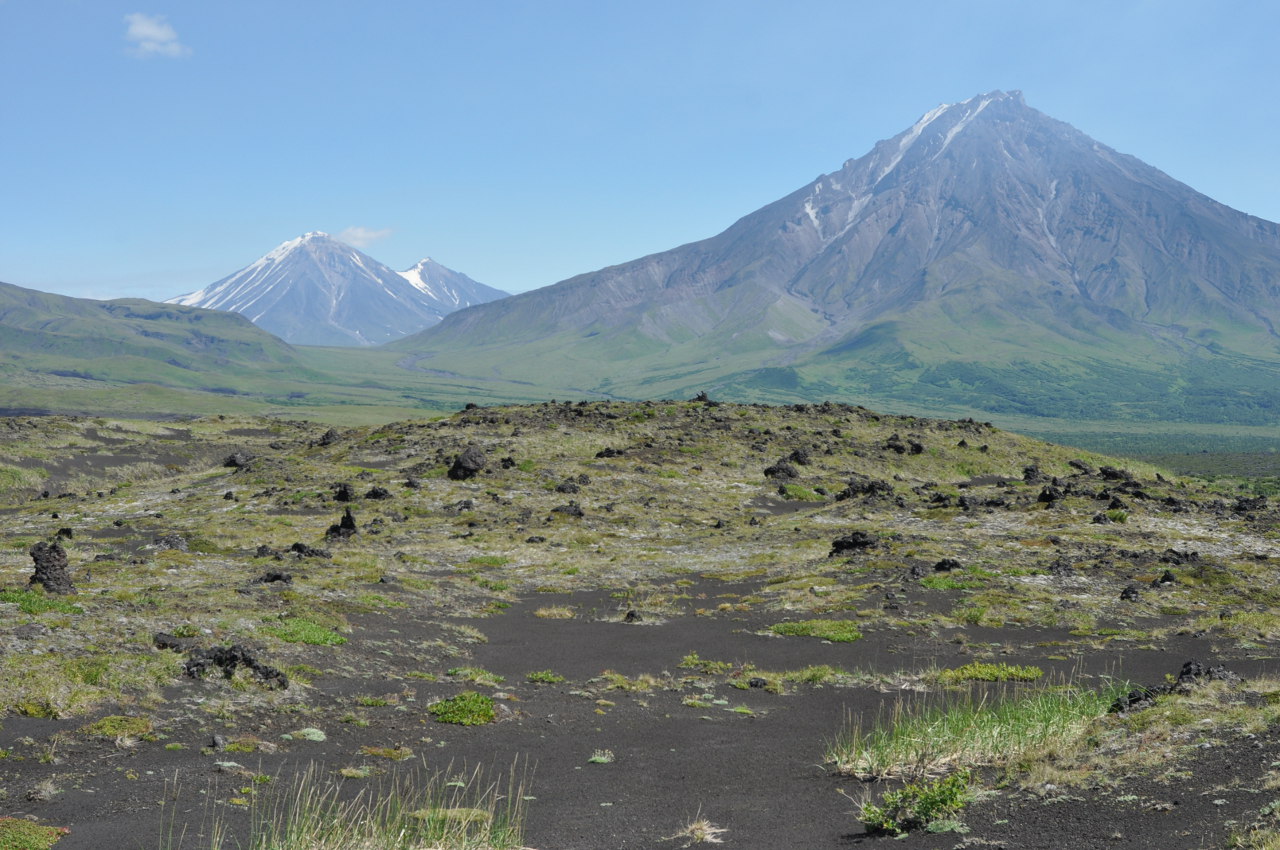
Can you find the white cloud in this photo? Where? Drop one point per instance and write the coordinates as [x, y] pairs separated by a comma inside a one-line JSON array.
[[151, 35], [362, 237]]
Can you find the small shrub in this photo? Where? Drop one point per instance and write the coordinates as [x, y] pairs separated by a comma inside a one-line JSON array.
[[917, 805], [466, 709], [1116, 515], [601, 757], [836, 631]]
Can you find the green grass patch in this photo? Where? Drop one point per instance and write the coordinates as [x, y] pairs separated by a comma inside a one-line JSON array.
[[466, 709], [118, 725], [38, 602], [979, 671], [299, 630], [796, 493], [836, 631]]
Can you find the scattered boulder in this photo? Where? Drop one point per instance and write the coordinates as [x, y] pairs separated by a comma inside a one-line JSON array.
[[610, 452], [65, 534], [1111, 473], [302, 550], [378, 493], [1081, 467], [328, 438], [174, 542], [1245, 505], [467, 465], [1049, 495], [568, 486], [852, 544], [275, 576], [946, 565], [1131, 594], [799, 456], [51, 571], [237, 460], [572, 509], [1166, 580], [344, 528], [782, 469], [344, 492], [265, 551], [864, 485]]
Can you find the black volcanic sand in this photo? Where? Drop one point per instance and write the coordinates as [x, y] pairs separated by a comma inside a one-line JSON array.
[[760, 777]]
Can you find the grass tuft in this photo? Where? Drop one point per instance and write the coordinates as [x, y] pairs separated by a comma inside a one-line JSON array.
[[922, 738]]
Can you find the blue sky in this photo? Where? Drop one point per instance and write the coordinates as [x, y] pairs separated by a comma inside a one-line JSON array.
[[152, 147]]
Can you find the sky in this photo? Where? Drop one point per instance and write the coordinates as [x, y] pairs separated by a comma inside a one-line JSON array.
[[151, 147]]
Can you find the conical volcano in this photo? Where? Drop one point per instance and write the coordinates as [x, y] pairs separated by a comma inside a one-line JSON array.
[[988, 257]]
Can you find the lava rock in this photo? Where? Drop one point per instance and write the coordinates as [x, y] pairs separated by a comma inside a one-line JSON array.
[[852, 544], [572, 509], [467, 465], [345, 528], [174, 542], [51, 571], [201, 662]]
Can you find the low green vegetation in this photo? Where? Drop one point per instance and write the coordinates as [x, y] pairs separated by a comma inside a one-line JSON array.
[[299, 630], [930, 804], [22, 834], [836, 631], [466, 709], [924, 737], [117, 725], [979, 671], [544, 677], [38, 602]]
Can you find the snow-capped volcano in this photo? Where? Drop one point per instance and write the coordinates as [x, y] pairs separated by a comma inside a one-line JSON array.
[[315, 290]]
